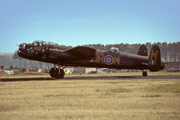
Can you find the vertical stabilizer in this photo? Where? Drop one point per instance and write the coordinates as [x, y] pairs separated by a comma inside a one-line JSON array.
[[142, 50], [155, 58]]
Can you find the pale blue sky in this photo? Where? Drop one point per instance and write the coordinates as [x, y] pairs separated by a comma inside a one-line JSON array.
[[79, 22]]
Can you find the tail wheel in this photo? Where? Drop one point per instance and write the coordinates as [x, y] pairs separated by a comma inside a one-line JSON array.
[[57, 73], [144, 74]]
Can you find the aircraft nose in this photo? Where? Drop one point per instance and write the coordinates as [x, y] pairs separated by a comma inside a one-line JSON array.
[[22, 50], [21, 46]]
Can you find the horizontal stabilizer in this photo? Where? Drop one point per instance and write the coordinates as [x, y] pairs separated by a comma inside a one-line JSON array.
[[142, 50], [82, 52]]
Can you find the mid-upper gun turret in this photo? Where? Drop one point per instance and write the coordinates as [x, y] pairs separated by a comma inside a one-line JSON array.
[[114, 49]]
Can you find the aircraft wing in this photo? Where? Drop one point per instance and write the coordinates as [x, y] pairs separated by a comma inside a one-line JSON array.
[[82, 52]]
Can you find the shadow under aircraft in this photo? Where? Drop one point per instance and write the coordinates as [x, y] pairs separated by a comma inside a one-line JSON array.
[[62, 56]]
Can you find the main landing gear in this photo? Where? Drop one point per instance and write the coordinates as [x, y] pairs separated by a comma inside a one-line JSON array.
[[57, 73], [144, 73]]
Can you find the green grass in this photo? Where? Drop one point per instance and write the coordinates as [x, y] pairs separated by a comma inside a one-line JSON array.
[[94, 99], [169, 88]]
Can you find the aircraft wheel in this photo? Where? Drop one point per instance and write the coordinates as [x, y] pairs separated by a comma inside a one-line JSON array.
[[144, 74], [61, 74], [51, 72], [55, 73]]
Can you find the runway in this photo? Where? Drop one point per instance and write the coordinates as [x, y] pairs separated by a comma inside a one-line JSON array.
[[89, 77]]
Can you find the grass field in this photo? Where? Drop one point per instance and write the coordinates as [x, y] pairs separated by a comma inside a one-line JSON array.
[[103, 97]]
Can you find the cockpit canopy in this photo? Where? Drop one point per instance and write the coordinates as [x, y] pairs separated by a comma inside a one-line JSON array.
[[41, 46], [40, 43], [36, 45]]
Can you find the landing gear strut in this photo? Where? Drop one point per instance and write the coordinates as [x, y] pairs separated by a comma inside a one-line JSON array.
[[57, 73], [144, 73]]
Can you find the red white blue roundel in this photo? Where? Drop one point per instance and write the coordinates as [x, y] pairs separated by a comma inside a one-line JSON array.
[[108, 59]]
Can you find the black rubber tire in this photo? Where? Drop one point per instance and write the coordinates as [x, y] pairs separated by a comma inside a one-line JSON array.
[[51, 72], [55, 73], [59, 75], [144, 74]]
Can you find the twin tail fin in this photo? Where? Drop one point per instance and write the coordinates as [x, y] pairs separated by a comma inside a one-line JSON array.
[[142, 51], [154, 62]]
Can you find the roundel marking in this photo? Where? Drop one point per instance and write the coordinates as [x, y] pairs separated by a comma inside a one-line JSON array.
[[108, 59]]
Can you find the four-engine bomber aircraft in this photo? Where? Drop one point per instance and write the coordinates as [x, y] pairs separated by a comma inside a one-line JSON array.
[[62, 56]]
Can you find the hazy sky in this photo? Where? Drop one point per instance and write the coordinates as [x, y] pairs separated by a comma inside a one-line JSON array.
[[79, 22]]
